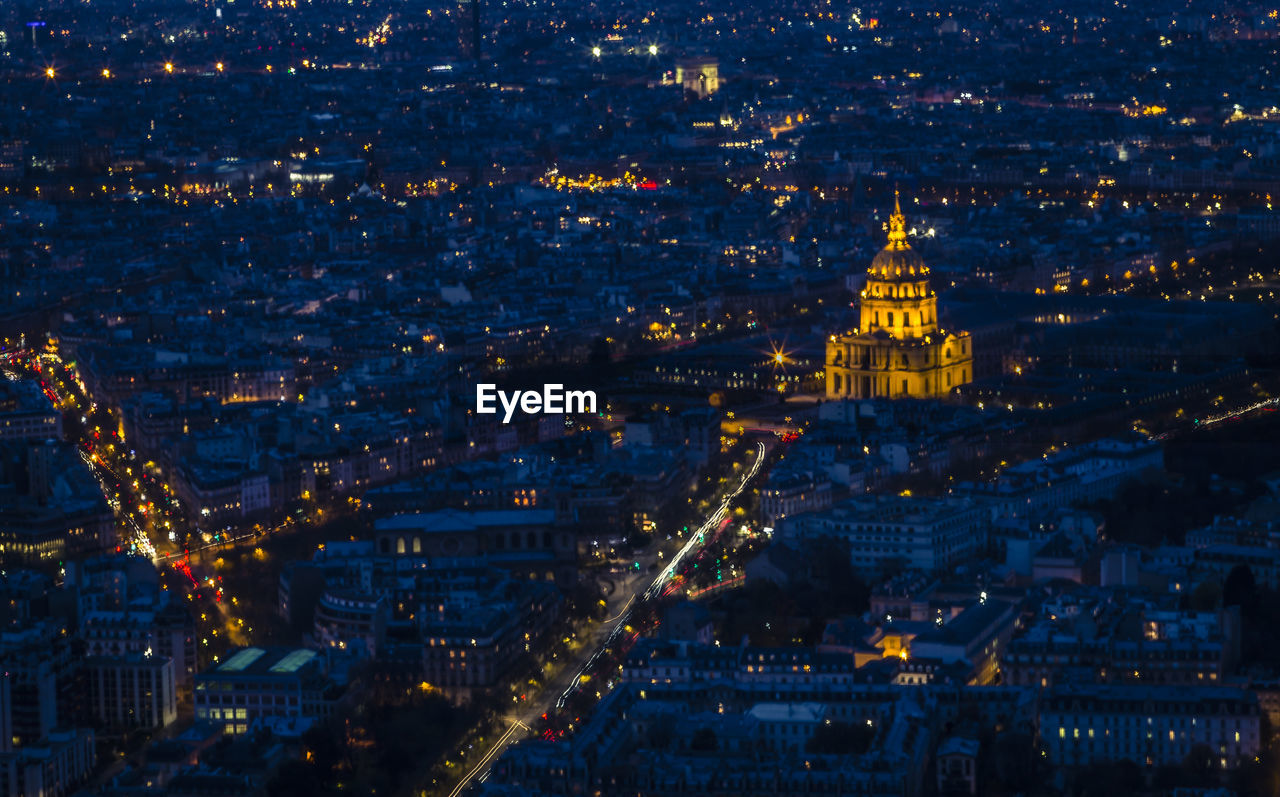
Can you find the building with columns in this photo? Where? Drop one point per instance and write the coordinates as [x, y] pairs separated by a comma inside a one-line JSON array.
[[898, 351]]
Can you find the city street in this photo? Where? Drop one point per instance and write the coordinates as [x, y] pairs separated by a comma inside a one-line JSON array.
[[147, 511], [606, 635]]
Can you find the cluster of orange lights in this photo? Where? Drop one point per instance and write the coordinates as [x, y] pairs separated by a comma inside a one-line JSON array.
[[169, 68]]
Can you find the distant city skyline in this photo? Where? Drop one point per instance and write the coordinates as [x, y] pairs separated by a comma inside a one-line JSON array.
[[543, 398]]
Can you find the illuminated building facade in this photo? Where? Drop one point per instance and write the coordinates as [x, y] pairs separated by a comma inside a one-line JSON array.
[[898, 351], [1149, 725], [699, 76], [257, 683]]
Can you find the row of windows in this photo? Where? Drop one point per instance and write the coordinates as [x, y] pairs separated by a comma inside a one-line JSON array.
[[909, 291], [1128, 733], [221, 714], [871, 385], [245, 686], [514, 540], [265, 700], [906, 319]]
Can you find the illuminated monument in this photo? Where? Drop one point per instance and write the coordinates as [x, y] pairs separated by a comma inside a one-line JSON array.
[[897, 351], [699, 76]]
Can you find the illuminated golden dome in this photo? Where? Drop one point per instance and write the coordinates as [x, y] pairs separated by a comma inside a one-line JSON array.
[[897, 261]]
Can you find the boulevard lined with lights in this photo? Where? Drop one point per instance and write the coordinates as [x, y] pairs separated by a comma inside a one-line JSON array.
[[696, 541]]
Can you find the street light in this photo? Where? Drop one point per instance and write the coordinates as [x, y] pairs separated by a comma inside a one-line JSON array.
[[653, 49], [596, 51]]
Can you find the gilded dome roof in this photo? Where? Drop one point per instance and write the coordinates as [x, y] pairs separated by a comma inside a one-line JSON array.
[[893, 263], [897, 260]]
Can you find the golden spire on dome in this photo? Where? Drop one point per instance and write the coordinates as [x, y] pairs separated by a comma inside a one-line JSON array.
[[897, 259], [897, 226]]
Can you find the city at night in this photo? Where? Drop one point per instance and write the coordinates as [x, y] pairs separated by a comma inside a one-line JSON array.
[[566, 398]]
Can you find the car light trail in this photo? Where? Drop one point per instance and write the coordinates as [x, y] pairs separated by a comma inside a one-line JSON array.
[[696, 540], [488, 757]]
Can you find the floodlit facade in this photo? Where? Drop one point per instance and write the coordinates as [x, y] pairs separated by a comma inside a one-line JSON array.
[[898, 351], [699, 76]]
